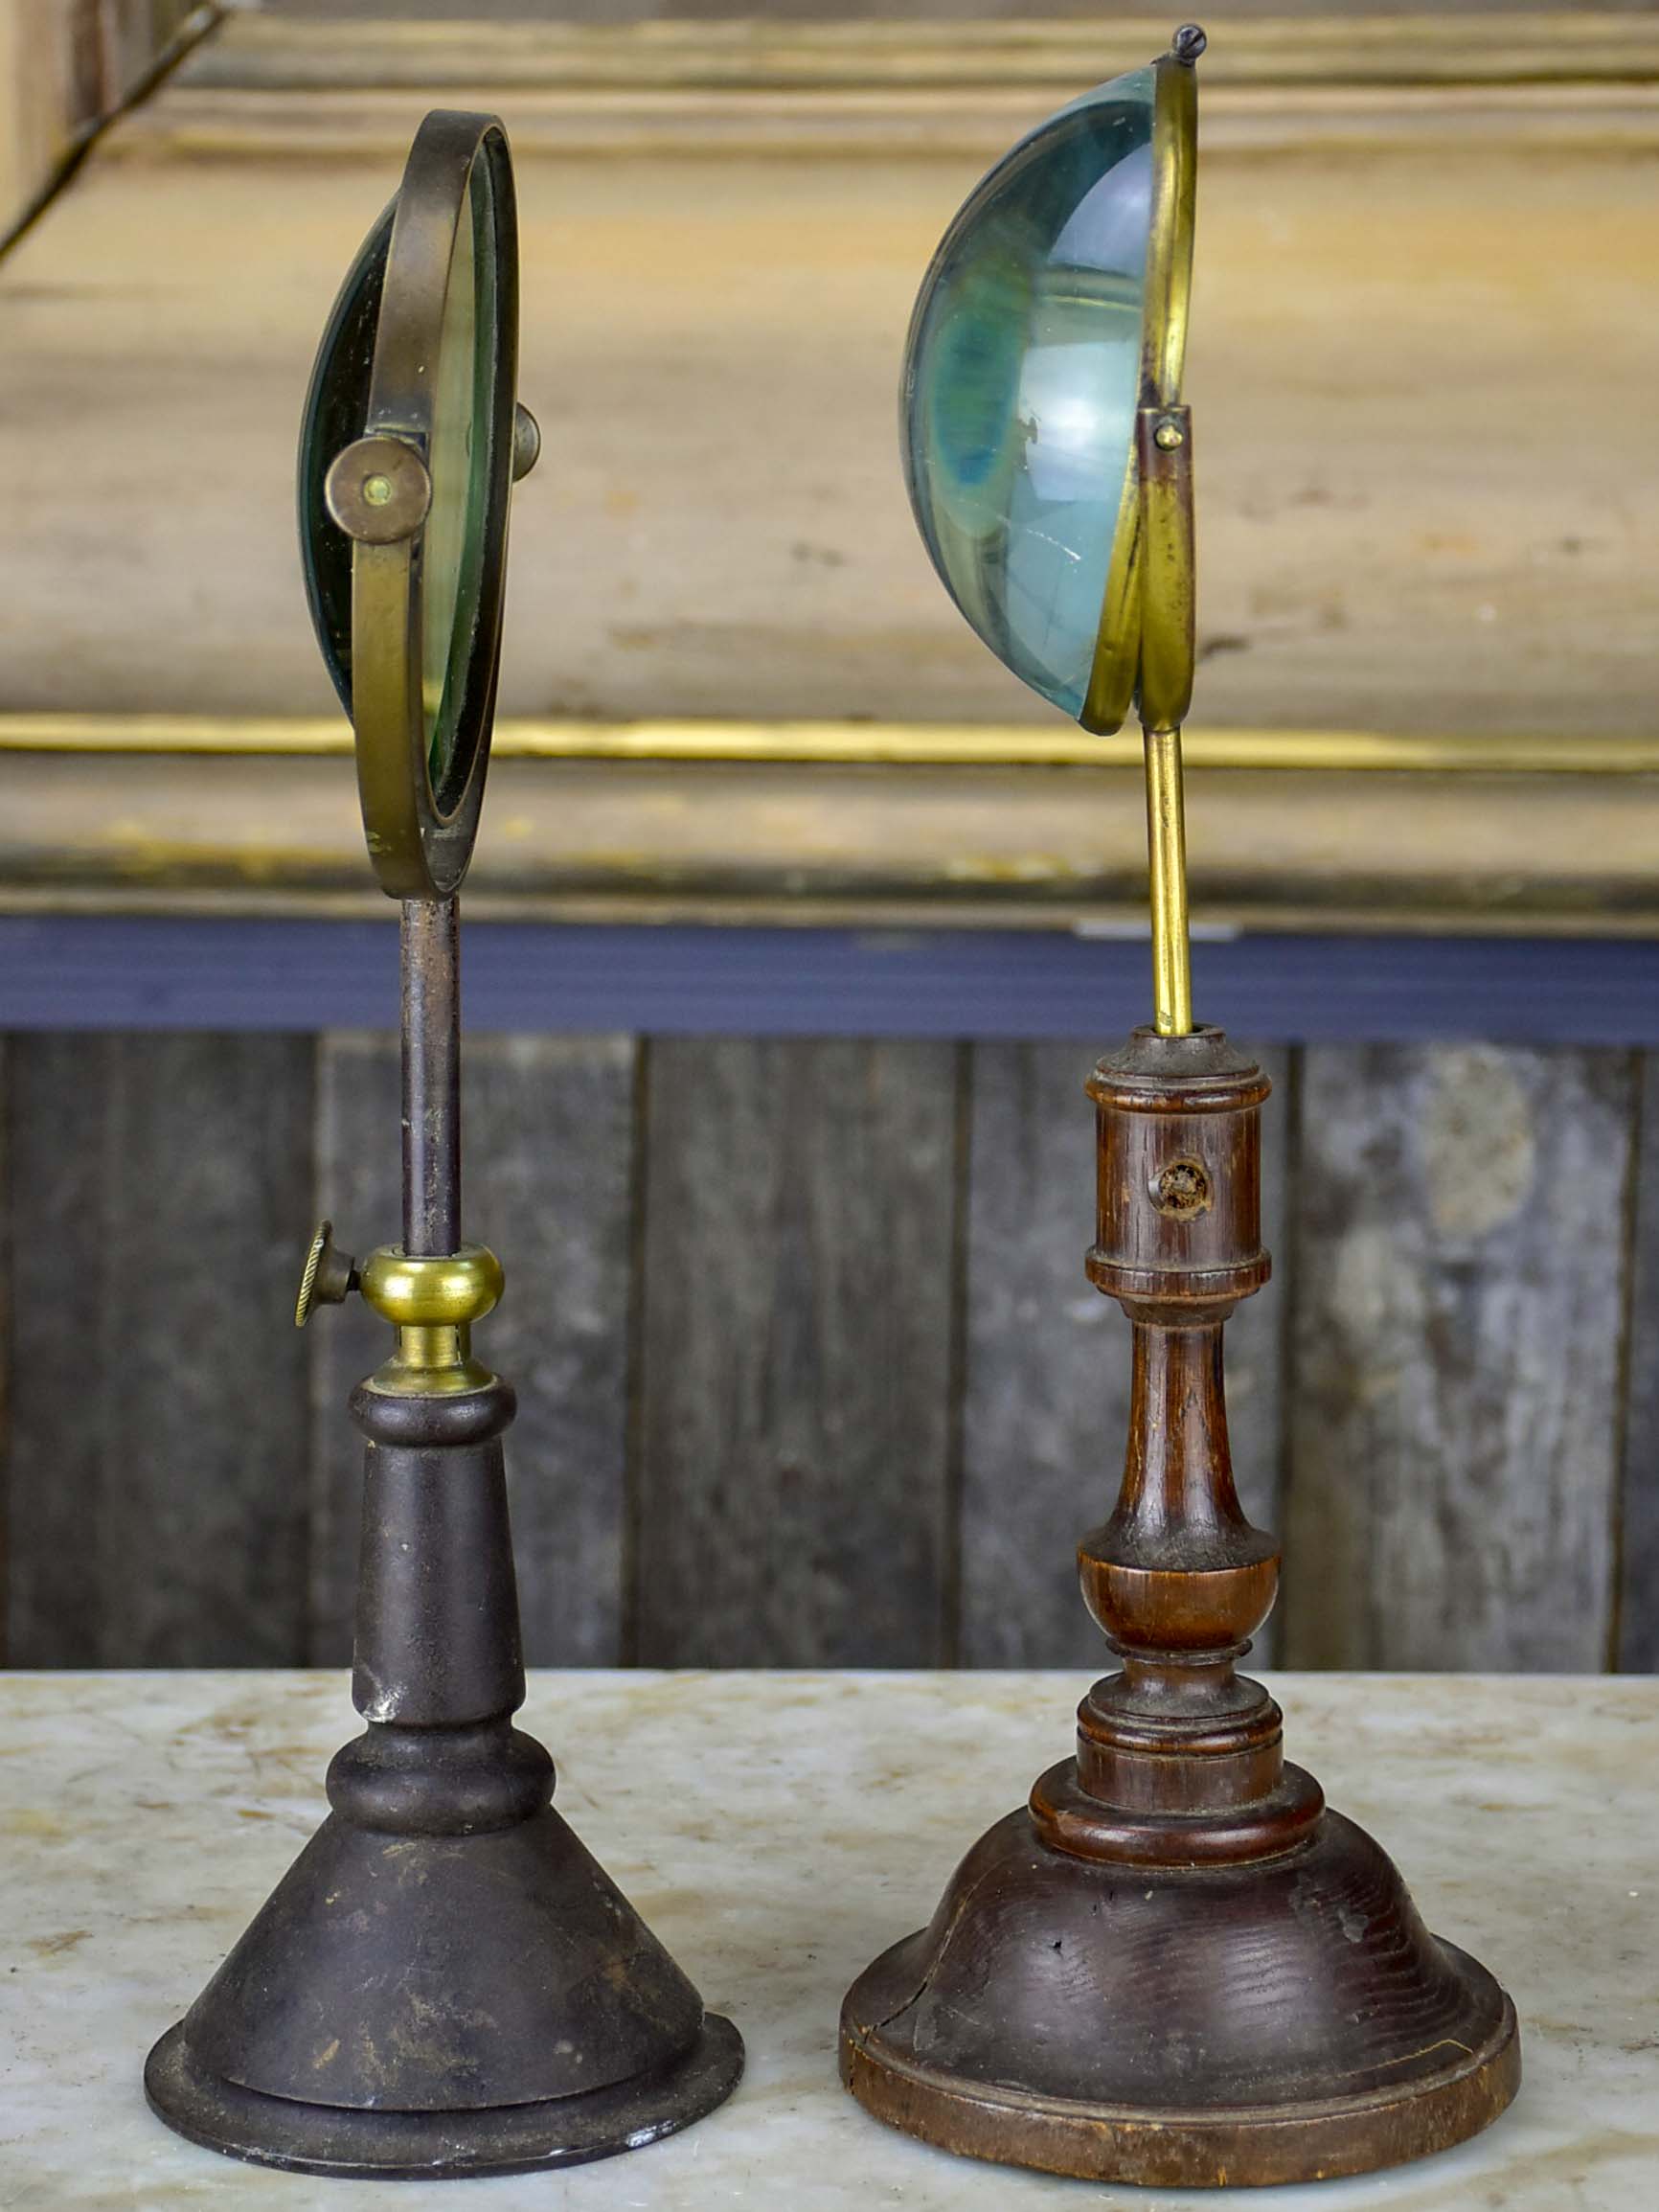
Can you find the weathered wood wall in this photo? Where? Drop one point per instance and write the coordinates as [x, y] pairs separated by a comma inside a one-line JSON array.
[[68, 66], [808, 1370]]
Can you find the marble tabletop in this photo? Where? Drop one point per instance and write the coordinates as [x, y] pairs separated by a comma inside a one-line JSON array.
[[777, 1830]]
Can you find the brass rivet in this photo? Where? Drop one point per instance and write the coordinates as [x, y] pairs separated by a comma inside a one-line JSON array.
[[1166, 436], [526, 440], [377, 491]]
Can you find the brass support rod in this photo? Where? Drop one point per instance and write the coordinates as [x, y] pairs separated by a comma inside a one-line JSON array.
[[431, 1076], [1166, 856]]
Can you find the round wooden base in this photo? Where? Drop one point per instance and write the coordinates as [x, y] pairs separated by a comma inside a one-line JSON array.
[[440, 2146], [1286, 2019]]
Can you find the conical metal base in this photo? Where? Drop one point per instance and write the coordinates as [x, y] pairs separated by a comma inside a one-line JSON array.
[[430, 2005], [1284, 2019], [440, 2146]]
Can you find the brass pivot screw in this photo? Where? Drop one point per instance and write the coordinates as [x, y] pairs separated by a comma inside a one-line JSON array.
[[377, 491], [1168, 435], [329, 1277]]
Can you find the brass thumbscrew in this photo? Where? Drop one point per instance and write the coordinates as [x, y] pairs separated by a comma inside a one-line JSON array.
[[329, 1277]]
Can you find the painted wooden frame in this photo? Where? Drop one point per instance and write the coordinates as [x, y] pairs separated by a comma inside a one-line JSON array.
[[1415, 559]]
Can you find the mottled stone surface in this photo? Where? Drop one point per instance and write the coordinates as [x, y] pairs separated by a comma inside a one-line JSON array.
[[143, 1818]]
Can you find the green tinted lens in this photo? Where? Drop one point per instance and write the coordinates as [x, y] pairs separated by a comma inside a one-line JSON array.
[[452, 552]]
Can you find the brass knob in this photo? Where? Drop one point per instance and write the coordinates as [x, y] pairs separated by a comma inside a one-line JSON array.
[[329, 1277], [379, 490], [526, 440]]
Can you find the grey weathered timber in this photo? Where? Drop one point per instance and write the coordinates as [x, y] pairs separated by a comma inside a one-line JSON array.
[[1046, 1382], [1454, 1386], [873, 1400], [158, 1510], [358, 1188], [1637, 1643], [549, 1186], [795, 1429], [548, 1137]]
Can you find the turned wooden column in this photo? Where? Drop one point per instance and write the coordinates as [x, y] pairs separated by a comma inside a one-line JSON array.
[[1178, 1757], [1173, 1964]]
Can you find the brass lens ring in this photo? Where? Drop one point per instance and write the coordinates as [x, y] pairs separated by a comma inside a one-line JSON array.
[[420, 815]]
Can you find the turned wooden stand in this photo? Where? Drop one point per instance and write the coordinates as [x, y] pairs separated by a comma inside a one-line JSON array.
[[1175, 1965]]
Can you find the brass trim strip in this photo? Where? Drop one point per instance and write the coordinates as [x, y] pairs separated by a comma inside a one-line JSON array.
[[856, 744]]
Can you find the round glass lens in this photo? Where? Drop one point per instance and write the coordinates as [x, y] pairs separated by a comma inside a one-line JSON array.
[[336, 408], [1021, 381], [459, 462]]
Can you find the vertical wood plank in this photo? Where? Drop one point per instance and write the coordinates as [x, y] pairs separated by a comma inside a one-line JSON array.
[[1046, 1394], [549, 1130], [160, 1187], [56, 1424], [795, 1427], [357, 1155], [65, 66], [1454, 1408], [548, 1137], [6, 1351], [1637, 1649]]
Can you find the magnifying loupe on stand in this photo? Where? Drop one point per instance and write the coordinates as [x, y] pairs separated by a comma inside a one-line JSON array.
[[445, 1982], [1175, 1964]]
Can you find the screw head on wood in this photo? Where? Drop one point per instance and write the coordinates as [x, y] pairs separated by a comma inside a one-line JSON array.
[[1182, 1189]]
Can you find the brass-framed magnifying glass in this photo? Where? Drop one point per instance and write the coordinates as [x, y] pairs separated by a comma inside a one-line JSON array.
[[446, 1983], [1046, 445], [1173, 1965], [411, 440]]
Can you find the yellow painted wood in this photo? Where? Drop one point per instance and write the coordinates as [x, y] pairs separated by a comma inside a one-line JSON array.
[[1407, 521], [1423, 333], [891, 744], [832, 842]]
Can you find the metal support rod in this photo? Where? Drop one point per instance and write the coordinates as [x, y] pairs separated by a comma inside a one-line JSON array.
[[430, 946], [1167, 856]]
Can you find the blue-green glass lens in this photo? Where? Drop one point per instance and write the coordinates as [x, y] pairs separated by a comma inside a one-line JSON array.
[[1021, 379]]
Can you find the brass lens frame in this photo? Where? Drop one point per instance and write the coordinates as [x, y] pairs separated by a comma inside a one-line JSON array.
[[1144, 598], [378, 491]]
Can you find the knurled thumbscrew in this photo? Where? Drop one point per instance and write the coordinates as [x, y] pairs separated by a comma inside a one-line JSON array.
[[329, 1277]]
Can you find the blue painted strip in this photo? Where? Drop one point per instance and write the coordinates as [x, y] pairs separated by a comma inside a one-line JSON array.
[[65, 972]]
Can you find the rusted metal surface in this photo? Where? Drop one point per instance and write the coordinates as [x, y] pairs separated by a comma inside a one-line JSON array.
[[431, 972], [444, 1982]]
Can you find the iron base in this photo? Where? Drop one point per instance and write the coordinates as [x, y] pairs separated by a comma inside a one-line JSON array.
[[440, 2146], [1282, 2020], [430, 2005]]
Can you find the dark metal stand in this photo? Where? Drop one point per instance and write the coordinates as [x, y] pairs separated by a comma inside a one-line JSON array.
[[1174, 1966], [444, 1982]]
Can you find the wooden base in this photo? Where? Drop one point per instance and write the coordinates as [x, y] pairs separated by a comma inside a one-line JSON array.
[[1175, 1964], [1286, 2019]]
